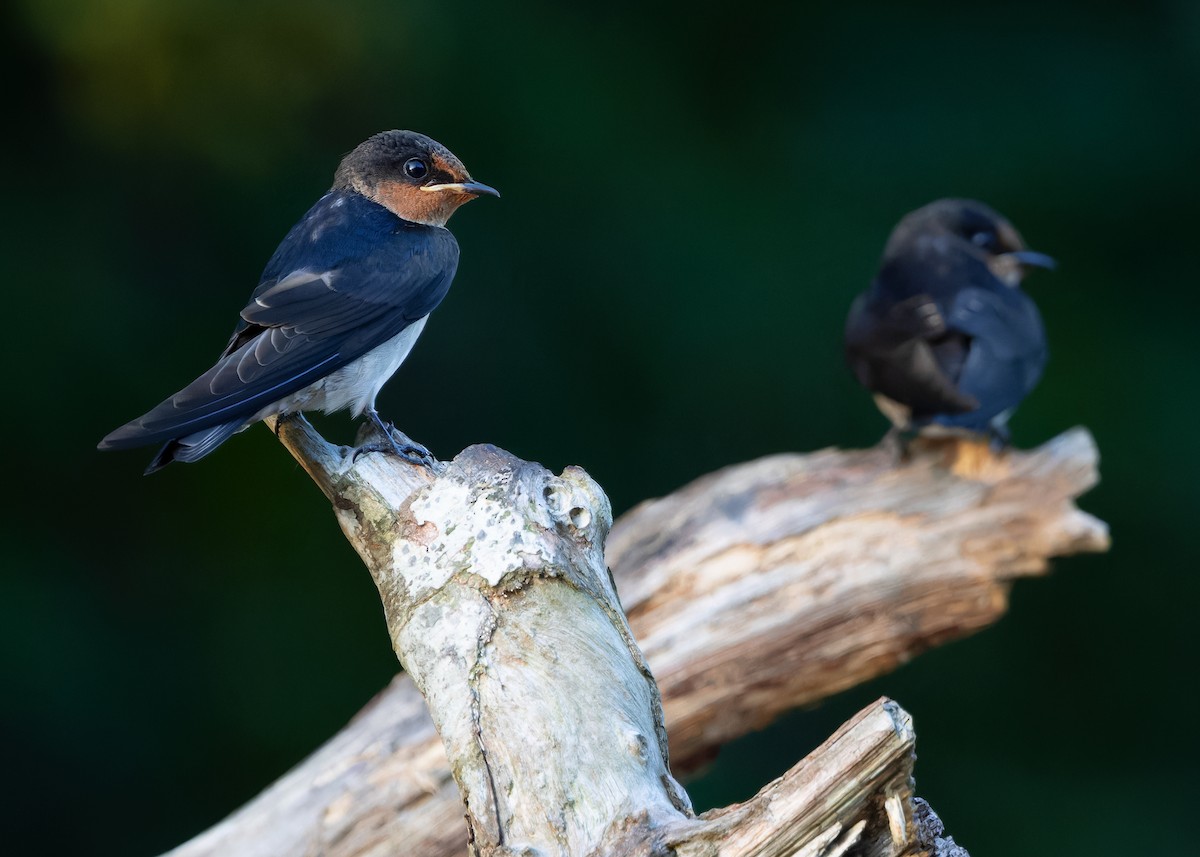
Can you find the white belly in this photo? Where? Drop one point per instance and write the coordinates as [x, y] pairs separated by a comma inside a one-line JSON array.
[[354, 386]]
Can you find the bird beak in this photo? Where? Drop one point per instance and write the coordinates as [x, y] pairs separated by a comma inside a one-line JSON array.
[[472, 187], [1033, 259]]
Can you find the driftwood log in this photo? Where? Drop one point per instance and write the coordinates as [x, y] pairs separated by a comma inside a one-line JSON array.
[[753, 590]]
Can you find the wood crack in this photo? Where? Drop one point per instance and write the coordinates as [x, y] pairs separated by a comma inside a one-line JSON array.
[[756, 589]]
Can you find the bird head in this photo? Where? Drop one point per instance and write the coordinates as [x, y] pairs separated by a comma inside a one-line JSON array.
[[966, 226], [414, 177]]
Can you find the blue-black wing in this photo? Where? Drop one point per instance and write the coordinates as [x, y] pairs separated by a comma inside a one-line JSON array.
[[898, 340], [1005, 354], [904, 350], [346, 279]]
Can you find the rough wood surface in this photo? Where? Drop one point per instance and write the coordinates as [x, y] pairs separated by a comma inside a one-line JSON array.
[[753, 590], [773, 584], [854, 791], [501, 608]]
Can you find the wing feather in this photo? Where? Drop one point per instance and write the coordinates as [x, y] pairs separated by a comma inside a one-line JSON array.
[[1007, 353]]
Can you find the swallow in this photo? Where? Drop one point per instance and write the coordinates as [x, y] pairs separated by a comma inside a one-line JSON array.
[[945, 337], [337, 308]]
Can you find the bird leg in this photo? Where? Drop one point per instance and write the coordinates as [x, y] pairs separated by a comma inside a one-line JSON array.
[[398, 443], [1000, 437], [898, 442], [280, 419]]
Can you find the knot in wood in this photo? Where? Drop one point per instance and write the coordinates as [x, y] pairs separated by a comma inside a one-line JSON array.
[[577, 505]]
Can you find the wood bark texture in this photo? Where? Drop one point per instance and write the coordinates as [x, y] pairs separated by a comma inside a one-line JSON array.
[[753, 590]]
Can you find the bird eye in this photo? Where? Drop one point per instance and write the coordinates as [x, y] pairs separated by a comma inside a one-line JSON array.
[[415, 168], [985, 238]]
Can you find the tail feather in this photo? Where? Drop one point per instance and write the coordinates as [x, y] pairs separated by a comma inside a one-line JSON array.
[[193, 447]]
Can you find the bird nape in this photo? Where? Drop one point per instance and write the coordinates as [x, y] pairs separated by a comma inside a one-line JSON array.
[[944, 336], [338, 307]]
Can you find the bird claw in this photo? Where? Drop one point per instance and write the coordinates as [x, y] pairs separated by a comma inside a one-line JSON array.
[[899, 442], [410, 452], [280, 419], [999, 439], [397, 443]]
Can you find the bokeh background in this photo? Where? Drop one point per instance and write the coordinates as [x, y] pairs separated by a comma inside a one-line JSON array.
[[692, 196]]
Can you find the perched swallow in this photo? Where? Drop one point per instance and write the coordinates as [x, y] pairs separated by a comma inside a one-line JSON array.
[[945, 338], [337, 308]]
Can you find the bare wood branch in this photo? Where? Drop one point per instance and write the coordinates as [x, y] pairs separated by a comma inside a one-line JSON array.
[[501, 608], [757, 588], [773, 584], [838, 797]]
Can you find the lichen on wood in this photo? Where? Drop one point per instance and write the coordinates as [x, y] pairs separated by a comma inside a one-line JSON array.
[[755, 589]]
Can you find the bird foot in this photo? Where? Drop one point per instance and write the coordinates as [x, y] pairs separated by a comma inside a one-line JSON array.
[[397, 443], [899, 444], [406, 450], [999, 439]]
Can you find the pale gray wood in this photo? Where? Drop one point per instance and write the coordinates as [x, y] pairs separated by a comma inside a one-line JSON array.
[[755, 589]]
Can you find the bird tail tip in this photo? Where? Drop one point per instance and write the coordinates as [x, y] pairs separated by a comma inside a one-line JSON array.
[[194, 446]]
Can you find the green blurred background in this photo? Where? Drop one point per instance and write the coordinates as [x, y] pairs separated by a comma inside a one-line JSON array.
[[692, 196]]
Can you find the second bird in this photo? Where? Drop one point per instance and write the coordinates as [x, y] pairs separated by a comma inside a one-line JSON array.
[[944, 337], [338, 307]]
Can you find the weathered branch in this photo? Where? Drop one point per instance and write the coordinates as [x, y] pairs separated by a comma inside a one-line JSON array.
[[773, 584], [755, 589], [501, 608]]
